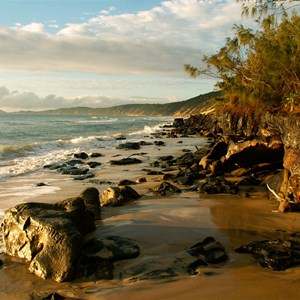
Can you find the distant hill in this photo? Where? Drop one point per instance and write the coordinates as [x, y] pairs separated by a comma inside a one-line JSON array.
[[199, 104], [2, 112]]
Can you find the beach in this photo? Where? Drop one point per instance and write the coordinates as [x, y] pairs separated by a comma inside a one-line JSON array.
[[164, 227]]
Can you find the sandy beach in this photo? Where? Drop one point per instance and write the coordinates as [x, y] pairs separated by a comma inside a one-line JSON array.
[[164, 227]]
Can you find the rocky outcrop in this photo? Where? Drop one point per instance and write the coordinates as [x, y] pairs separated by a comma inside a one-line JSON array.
[[118, 196], [248, 146], [50, 236]]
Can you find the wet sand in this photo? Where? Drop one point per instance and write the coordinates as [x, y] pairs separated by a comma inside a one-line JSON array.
[[164, 228]]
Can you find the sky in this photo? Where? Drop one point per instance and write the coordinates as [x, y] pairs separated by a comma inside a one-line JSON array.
[[100, 53]]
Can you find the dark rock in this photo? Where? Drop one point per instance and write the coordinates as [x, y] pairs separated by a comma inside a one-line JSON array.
[[94, 164], [143, 143], [54, 296], [126, 182], [191, 268], [49, 236], [165, 187], [113, 248], [217, 185], [178, 122], [210, 250], [95, 267], [74, 162], [153, 172], [55, 166], [90, 196], [1, 262], [125, 161], [40, 184], [81, 155], [141, 180], [84, 176], [275, 254], [94, 155], [117, 196], [159, 143], [129, 145], [166, 158], [72, 170], [119, 138]]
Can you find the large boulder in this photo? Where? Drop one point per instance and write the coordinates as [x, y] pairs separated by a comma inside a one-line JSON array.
[[49, 236], [117, 196]]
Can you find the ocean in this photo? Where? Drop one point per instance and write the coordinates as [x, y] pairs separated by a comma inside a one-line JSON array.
[[30, 141]]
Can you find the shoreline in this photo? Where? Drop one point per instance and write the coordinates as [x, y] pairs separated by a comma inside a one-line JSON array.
[[164, 227]]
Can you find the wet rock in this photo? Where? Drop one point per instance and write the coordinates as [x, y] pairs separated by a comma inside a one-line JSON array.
[[41, 184], [119, 138], [48, 236], [159, 143], [81, 155], [278, 255], [125, 161], [129, 146], [153, 172], [94, 155], [113, 248], [95, 267], [141, 180], [1, 262], [117, 196], [165, 187], [72, 170], [178, 122], [143, 143], [74, 162], [126, 182], [93, 164], [217, 185], [84, 176], [90, 197], [191, 268], [210, 250]]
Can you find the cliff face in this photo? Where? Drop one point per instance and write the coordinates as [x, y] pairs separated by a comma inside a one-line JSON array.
[[247, 145]]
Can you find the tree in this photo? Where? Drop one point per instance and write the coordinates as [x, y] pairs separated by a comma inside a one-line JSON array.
[[259, 67]]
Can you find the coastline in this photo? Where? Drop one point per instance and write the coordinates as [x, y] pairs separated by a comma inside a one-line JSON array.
[[164, 227]]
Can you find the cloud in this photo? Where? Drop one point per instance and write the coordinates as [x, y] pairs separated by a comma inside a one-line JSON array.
[[151, 42]]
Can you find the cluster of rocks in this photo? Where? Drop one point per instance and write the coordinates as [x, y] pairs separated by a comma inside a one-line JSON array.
[[51, 237], [77, 167], [264, 151]]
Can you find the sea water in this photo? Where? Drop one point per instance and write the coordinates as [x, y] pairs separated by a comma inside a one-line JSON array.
[[30, 141]]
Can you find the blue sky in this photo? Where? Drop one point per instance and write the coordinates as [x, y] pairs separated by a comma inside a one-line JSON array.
[[99, 53]]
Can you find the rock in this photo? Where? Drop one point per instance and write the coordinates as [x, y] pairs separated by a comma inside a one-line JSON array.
[[143, 143], [275, 254], [141, 180], [1, 262], [72, 170], [113, 248], [74, 162], [178, 122], [117, 196], [209, 251], [217, 185], [84, 176], [165, 187], [121, 137], [90, 197], [159, 143], [129, 145], [49, 236], [94, 155], [95, 267], [40, 184], [81, 155], [126, 182], [93, 164], [125, 161]]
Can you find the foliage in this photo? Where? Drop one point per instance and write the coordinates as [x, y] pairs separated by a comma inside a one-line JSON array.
[[259, 68]]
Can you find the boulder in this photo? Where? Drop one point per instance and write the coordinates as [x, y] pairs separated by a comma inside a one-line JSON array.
[[50, 236], [209, 251], [275, 254], [113, 248], [217, 185], [72, 170], [93, 164], [165, 187], [117, 196], [81, 155], [95, 154], [125, 161], [129, 146]]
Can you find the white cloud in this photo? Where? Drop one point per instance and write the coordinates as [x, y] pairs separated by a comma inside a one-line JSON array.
[[153, 42]]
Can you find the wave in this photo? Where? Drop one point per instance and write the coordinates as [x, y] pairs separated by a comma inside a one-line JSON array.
[[97, 121]]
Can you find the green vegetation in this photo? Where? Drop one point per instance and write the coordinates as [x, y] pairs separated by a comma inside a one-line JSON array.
[[259, 69]]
